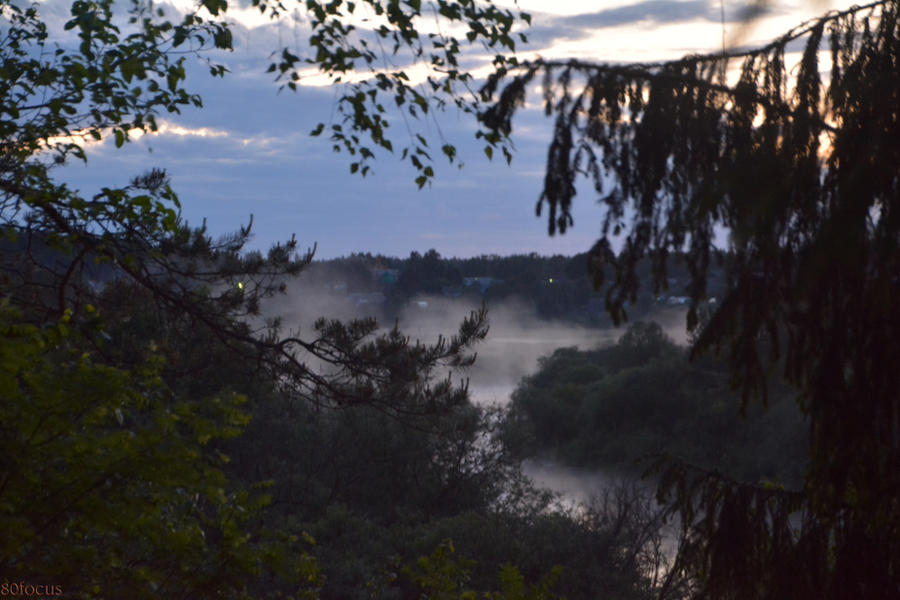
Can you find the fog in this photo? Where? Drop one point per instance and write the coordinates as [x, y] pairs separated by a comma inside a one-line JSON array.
[[576, 487], [516, 340]]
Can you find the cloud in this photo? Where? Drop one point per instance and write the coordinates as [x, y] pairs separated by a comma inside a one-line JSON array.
[[649, 13], [167, 128]]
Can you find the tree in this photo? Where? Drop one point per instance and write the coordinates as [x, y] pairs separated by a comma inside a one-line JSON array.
[[106, 404], [802, 173], [611, 408], [343, 49], [801, 168], [109, 486], [116, 80]]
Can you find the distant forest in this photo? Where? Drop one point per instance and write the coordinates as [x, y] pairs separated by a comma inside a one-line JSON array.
[[556, 287]]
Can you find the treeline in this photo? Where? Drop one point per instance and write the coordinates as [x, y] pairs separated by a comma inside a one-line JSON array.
[[620, 408], [556, 287]]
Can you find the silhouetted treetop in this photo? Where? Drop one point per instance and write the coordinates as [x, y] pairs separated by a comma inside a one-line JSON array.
[[798, 164]]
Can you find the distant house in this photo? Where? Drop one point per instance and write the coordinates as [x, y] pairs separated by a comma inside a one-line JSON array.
[[389, 277], [384, 276]]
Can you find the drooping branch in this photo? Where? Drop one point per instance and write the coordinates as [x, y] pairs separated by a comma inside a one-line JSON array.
[[795, 169]]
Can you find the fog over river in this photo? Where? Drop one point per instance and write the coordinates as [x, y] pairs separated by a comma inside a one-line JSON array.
[[517, 339]]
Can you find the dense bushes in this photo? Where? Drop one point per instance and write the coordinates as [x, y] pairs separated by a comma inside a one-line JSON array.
[[611, 407]]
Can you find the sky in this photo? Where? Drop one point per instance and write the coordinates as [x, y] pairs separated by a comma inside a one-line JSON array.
[[248, 150]]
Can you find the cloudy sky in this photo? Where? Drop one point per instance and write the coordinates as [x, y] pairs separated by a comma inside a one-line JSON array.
[[247, 151]]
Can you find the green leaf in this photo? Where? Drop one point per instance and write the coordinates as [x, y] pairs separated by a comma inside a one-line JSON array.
[[215, 6], [450, 151]]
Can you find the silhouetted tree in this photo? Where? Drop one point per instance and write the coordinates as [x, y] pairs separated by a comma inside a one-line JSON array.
[[803, 170], [109, 480]]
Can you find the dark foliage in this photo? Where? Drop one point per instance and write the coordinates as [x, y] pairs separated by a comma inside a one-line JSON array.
[[620, 408], [801, 167]]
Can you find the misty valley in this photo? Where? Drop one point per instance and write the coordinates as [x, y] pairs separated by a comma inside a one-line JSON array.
[[702, 405], [388, 457], [554, 460]]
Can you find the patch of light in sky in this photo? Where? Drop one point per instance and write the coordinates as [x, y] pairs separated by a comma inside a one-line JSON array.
[[646, 41], [560, 7], [576, 7], [641, 39]]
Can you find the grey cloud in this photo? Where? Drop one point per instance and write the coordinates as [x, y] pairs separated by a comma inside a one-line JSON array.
[[648, 12]]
